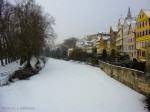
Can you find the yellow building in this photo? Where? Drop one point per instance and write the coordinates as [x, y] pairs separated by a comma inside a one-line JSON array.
[[101, 44], [70, 52], [98, 45], [142, 33]]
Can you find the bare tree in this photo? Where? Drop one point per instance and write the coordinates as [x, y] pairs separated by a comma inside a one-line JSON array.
[[25, 31]]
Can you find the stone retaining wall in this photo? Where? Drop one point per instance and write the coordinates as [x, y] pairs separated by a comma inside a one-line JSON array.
[[137, 80]]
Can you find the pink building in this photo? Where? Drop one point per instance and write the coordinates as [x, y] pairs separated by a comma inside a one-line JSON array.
[[132, 41]]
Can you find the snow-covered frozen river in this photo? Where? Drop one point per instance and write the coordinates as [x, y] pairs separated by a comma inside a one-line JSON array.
[[64, 86]]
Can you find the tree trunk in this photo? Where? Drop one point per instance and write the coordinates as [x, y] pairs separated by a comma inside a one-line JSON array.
[[28, 64]]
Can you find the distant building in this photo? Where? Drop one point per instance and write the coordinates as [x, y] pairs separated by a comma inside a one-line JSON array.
[[129, 20], [87, 43], [113, 36], [119, 37], [69, 52], [142, 33], [125, 34], [80, 44], [108, 46], [101, 43], [91, 37], [132, 41], [89, 46], [148, 57]]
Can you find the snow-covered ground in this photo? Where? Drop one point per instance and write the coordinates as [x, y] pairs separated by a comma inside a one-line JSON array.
[[7, 70], [10, 67], [69, 87]]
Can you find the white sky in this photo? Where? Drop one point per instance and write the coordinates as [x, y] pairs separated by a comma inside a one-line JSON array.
[[77, 18]]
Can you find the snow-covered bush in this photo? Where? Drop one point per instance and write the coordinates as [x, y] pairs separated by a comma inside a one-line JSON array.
[[4, 78]]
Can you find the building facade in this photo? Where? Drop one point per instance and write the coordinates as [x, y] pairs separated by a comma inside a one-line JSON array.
[[132, 41], [108, 46], [142, 33], [89, 46], [127, 22], [119, 38], [148, 57], [125, 37], [113, 35], [101, 43]]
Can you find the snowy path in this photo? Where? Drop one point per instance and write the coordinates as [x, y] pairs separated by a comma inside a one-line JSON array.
[[69, 87]]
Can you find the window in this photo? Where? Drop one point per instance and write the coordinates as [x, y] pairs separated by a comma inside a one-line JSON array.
[[138, 53], [143, 53], [143, 24], [140, 25], [141, 33], [137, 35], [143, 44], [134, 52], [146, 32]]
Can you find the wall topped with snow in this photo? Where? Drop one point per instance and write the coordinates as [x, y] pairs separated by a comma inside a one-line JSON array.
[[137, 80]]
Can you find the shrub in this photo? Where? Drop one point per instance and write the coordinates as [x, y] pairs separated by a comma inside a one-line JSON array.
[[23, 74], [148, 103], [78, 55]]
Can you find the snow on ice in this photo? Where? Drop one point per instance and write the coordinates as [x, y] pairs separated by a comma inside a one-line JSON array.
[[64, 86]]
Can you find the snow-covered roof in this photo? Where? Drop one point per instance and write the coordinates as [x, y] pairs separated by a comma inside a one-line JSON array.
[[105, 37], [114, 28], [121, 21], [147, 12], [98, 37], [87, 43], [129, 21]]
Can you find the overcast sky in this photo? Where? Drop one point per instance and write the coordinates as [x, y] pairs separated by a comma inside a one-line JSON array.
[[77, 18]]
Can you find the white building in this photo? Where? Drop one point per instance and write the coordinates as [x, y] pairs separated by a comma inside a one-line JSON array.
[[119, 38], [126, 26]]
